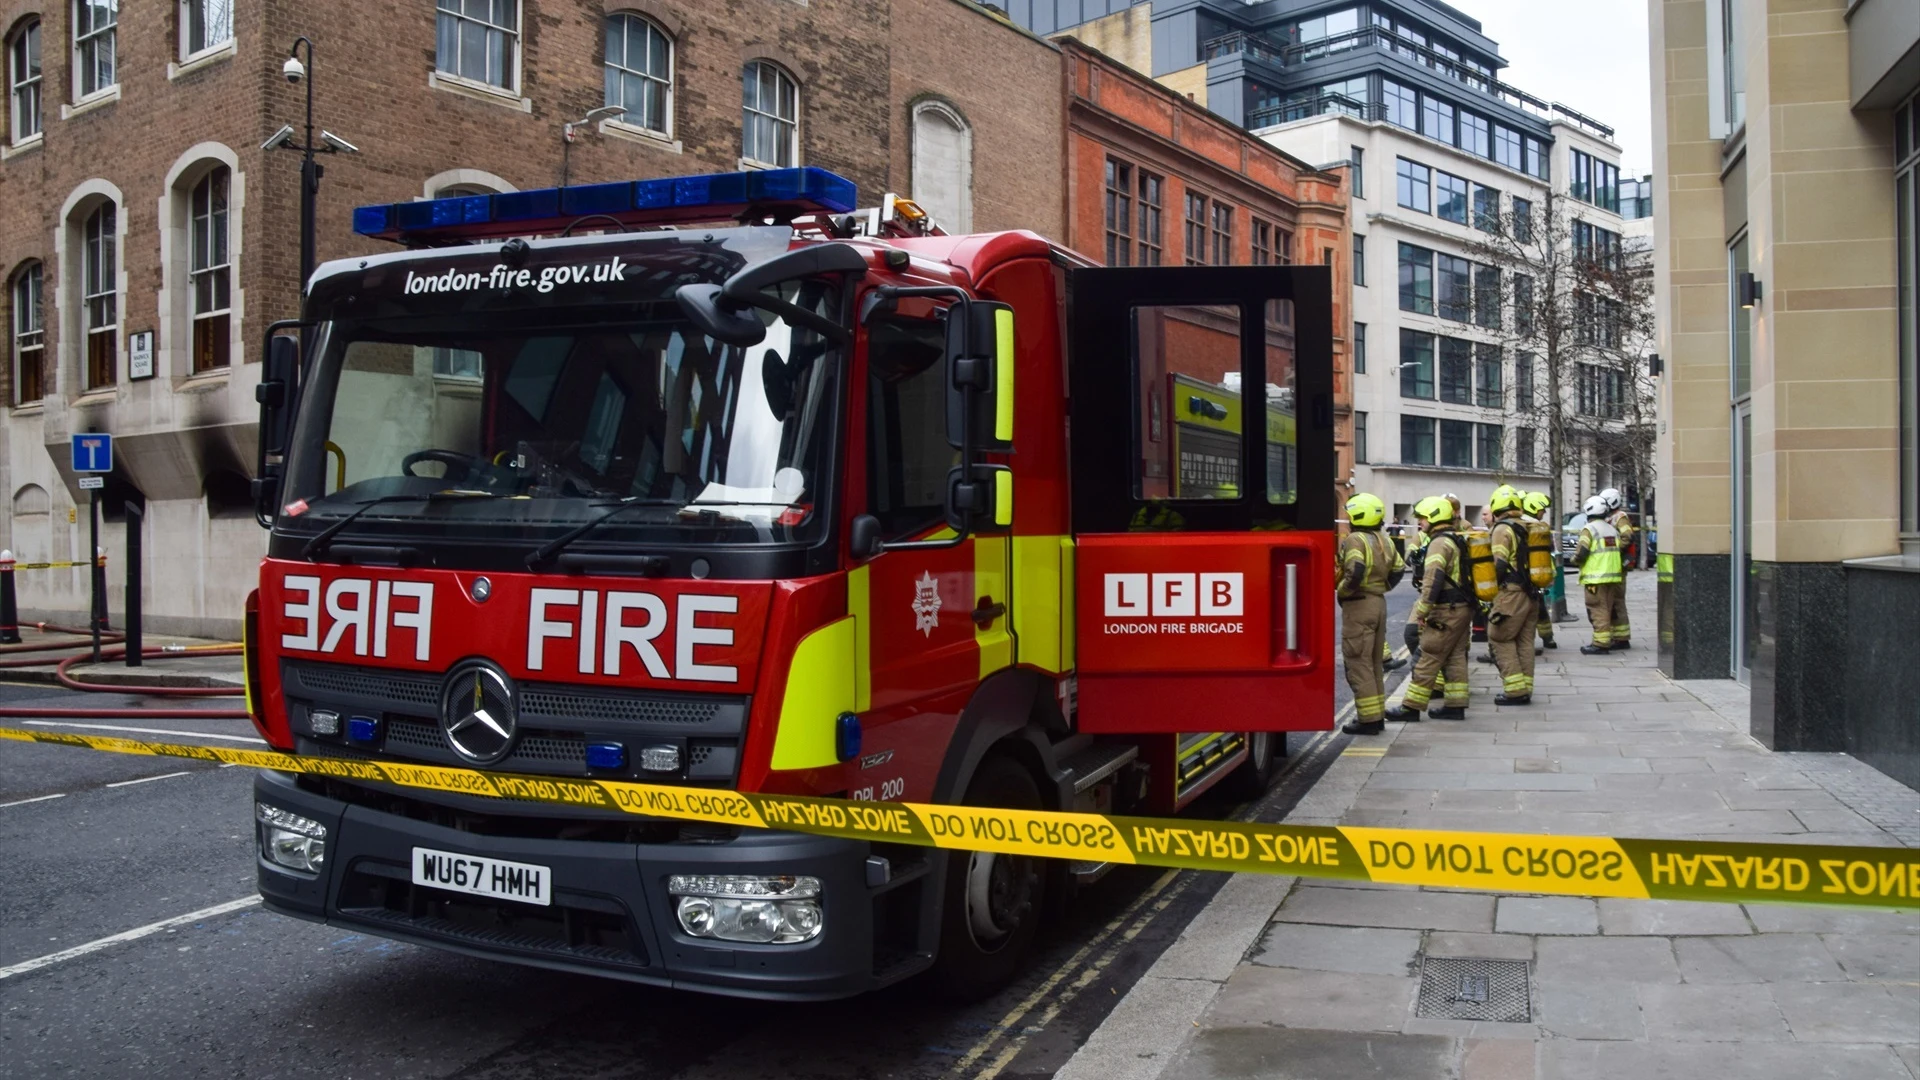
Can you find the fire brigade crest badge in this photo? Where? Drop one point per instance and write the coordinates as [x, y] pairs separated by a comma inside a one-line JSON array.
[[926, 604]]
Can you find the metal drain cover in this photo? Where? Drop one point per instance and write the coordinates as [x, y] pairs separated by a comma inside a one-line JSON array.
[[1472, 988]]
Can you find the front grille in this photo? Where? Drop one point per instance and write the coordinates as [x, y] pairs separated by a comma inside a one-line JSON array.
[[362, 686], [556, 721], [718, 714]]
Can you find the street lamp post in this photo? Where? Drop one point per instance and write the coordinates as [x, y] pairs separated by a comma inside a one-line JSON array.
[[310, 170]]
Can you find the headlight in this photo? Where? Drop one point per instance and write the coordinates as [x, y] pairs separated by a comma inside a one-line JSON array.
[[779, 910], [289, 840]]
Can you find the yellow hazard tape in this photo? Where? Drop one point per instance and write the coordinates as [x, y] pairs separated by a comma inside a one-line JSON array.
[[50, 565], [1510, 862]]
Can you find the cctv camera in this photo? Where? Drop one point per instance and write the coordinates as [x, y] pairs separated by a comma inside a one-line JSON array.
[[338, 143], [293, 69], [279, 138]]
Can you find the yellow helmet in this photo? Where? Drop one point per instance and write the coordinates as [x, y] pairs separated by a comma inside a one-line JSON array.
[[1434, 510], [1366, 511], [1535, 503], [1504, 498]]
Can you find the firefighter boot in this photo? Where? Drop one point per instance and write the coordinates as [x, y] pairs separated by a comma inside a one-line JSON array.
[[1595, 650], [1503, 699], [1448, 712], [1366, 727]]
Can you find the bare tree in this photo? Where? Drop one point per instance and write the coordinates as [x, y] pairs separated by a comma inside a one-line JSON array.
[[1579, 322]]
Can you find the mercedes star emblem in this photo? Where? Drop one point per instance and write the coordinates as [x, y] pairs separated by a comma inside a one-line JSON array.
[[478, 711]]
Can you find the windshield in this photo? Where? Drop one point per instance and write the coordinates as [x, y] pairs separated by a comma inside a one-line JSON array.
[[560, 420]]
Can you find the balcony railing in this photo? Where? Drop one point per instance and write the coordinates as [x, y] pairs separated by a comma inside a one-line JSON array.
[[1264, 48], [1319, 105]]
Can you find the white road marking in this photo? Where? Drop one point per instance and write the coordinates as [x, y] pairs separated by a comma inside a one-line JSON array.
[[135, 934], [23, 802], [145, 779], [146, 731]]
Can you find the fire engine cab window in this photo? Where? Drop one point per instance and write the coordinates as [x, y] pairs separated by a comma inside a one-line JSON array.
[[908, 456], [1190, 403], [1186, 364], [557, 425]]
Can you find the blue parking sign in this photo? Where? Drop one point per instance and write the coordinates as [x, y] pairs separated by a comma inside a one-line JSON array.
[[93, 452]]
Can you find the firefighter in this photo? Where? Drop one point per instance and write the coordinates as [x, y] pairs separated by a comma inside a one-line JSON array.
[[1622, 523], [1598, 555], [1417, 565], [1510, 627], [1535, 503], [1445, 615], [1370, 565]]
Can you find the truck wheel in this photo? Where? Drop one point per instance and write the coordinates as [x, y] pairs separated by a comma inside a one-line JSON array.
[[992, 903], [1251, 779]]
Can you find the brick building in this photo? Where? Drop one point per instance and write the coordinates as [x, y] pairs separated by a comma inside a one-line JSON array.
[[142, 225], [1154, 179]]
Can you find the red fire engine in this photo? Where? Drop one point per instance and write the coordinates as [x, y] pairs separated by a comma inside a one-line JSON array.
[[757, 506]]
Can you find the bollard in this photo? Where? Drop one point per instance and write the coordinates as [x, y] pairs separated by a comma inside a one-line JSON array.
[[9, 604], [136, 517], [97, 573]]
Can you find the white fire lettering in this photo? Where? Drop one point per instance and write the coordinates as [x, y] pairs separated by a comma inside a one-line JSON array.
[[602, 631], [368, 610]]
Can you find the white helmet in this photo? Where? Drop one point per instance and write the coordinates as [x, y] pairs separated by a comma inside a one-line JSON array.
[[1611, 497], [1596, 507]]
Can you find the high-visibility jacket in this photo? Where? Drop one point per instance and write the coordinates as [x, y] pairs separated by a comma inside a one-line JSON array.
[[1378, 559], [1599, 554]]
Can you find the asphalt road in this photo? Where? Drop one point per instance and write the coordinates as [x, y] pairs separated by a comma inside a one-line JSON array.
[[96, 845]]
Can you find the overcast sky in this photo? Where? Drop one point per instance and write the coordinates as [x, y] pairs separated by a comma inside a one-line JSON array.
[[1590, 55]]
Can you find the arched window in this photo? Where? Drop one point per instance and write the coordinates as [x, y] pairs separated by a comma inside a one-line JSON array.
[[29, 334], [210, 271], [96, 24], [32, 524], [640, 72], [100, 293], [477, 40], [23, 82], [770, 126], [943, 165]]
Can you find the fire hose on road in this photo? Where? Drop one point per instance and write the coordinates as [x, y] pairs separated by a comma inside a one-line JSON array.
[[66, 679]]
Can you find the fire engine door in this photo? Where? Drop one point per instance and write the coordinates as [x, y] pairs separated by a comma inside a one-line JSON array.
[[938, 618], [1203, 498]]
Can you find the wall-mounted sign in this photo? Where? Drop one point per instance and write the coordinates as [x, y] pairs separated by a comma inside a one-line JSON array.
[[140, 355]]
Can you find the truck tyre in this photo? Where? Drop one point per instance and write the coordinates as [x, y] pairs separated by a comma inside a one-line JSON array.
[[992, 904], [1251, 779]]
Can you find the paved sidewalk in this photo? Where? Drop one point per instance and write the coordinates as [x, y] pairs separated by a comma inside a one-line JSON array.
[[1295, 978], [181, 667]]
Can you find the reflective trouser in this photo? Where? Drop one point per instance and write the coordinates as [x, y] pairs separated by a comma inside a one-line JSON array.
[[1442, 648], [1602, 601], [1510, 635], [1363, 630], [1619, 613], [1543, 616]]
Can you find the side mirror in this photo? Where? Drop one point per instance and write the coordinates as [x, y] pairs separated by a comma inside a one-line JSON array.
[[722, 320], [980, 501], [980, 365], [863, 537], [279, 379]]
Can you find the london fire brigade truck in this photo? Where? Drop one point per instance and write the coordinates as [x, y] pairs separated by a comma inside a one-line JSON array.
[[718, 480]]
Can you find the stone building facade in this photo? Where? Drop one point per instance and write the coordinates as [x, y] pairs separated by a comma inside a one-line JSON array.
[[1788, 143], [140, 217]]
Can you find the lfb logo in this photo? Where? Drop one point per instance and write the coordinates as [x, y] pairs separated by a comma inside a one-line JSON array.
[[1175, 596]]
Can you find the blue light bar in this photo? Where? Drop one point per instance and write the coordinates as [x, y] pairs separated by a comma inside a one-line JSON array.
[[781, 194], [362, 729]]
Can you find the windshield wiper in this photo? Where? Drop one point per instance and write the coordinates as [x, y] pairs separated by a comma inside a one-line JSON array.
[[545, 553], [318, 544]]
